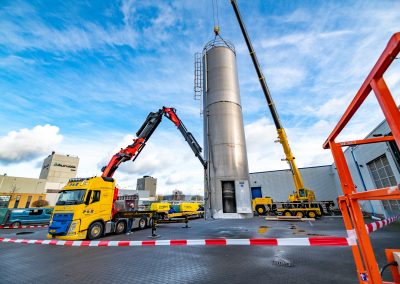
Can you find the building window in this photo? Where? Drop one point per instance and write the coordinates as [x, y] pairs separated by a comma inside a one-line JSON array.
[[383, 176], [17, 201], [381, 172], [4, 200], [394, 150], [28, 202]]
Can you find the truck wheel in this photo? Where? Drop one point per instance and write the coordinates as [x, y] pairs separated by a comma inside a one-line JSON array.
[[16, 224], [95, 231], [299, 214], [120, 227], [287, 213], [312, 214], [142, 223], [260, 210]]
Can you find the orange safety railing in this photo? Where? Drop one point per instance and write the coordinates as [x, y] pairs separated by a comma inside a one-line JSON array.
[[364, 257]]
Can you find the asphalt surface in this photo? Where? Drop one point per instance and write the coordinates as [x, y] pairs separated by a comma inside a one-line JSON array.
[[21, 263]]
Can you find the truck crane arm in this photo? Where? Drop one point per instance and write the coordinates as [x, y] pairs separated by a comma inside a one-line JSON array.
[[298, 182], [170, 113], [132, 151]]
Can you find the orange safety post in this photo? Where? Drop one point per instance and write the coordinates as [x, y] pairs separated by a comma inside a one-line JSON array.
[[364, 257]]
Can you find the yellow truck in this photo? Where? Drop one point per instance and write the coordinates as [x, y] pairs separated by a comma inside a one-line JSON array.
[[85, 210]]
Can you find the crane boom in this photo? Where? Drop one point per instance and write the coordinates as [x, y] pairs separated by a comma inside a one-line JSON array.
[[298, 182], [132, 151]]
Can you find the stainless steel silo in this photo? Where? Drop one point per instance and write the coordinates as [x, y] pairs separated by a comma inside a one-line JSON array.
[[227, 187]]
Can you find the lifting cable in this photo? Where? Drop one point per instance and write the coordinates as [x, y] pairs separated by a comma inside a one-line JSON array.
[[216, 23], [215, 15]]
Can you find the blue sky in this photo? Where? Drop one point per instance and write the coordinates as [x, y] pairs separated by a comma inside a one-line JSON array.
[[79, 77]]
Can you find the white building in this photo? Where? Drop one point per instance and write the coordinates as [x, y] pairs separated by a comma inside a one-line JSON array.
[[57, 169]]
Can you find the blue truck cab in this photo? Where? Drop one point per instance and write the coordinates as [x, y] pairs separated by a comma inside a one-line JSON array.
[[28, 216]]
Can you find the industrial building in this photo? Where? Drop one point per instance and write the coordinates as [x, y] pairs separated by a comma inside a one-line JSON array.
[[146, 189], [372, 166], [279, 184], [21, 192], [57, 169]]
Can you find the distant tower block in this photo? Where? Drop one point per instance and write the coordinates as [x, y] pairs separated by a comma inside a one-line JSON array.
[[227, 192], [147, 183]]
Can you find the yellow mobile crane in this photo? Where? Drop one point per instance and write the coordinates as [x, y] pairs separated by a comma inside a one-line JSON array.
[[302, 194]]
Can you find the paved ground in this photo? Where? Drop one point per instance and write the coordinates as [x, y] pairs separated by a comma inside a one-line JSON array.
[[232, 264]]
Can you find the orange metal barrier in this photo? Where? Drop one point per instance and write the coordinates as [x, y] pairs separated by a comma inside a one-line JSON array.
[[367, 267]]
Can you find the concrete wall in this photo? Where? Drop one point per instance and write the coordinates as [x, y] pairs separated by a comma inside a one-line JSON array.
[[11, 184], [131, 192], [279, 184], [59, 168]]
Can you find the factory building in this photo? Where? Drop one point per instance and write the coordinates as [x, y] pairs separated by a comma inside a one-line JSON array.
[[371, 166], [376, 166], [57, 169], [21, 192], [279, 184], [146, 188]]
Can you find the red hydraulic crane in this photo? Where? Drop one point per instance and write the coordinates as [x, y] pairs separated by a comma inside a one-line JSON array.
[[132, 151]]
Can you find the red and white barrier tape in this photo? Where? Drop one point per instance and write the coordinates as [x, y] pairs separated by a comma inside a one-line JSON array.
[[315, 241], [24, 227], [371, 227]]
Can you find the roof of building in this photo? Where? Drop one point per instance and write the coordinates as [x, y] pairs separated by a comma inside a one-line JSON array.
[[302, 168]]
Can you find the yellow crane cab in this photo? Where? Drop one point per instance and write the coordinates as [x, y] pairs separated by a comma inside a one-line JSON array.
[[303, 194]]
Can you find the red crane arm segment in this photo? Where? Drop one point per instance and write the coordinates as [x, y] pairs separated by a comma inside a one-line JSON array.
[[123, 155], [170, 113]]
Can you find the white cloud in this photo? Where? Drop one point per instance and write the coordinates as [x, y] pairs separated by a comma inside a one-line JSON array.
[[28, 144], [305, 142], [168, 158], [262, 153]]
